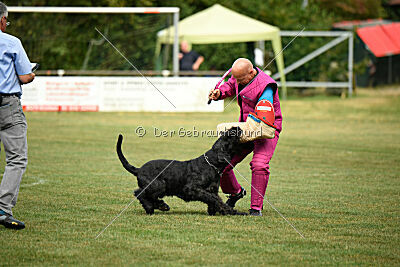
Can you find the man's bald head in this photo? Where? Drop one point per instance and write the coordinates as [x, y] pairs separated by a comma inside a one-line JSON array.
[[243, 71], [242, 65], [184, 46]]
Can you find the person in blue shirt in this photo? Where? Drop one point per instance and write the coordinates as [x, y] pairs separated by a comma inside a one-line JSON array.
[[15, 69]]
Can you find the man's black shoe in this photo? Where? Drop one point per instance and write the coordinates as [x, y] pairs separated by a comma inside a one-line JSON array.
[[10, 222], [253, 212], [233, 198]]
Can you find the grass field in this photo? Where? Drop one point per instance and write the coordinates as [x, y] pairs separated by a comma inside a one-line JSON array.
[[335, 175]]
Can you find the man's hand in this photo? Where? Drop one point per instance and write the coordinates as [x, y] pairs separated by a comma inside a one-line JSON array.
[[27, 78], [198, 62], [214, 94]]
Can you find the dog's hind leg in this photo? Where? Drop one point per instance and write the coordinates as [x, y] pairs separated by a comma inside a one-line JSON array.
[[154, 193], [213, 189], [146, 203]]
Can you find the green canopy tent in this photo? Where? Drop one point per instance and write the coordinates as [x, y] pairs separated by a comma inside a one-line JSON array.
[[218, 24]]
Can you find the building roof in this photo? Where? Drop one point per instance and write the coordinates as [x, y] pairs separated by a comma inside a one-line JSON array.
[[394, 2], [382, 40], [350, 24]]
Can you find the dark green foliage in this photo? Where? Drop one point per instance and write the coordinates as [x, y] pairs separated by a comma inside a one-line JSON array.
[[63, 40]]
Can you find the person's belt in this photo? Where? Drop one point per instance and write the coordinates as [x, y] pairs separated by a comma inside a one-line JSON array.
[[8, 95]]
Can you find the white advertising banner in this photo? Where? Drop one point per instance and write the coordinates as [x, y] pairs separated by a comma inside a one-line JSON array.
[[170, 94]]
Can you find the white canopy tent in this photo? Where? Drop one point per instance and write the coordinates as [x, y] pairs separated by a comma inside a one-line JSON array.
[[218, 24]]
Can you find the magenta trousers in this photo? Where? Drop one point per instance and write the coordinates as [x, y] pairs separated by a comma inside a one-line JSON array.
[[262, 154]]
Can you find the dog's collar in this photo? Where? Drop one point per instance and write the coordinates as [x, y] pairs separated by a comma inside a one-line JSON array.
[[209, 163]]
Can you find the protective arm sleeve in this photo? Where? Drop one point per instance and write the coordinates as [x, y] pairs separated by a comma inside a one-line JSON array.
[[268, 94], [264, 109]]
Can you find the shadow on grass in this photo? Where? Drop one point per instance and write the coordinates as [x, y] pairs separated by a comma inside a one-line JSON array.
[[182, 212]]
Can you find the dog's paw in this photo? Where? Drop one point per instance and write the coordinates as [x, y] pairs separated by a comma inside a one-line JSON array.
[[163, 207], [225, 212], [229, 211], [211, 210], [150, 211], [240, 213]]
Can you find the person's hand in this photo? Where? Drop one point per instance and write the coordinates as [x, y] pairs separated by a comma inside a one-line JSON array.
[[195, 66], [214, 94], [27, 78]]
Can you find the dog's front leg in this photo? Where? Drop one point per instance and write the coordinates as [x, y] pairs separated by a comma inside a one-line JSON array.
[[147, 204], [212, 210], [213, 201], [226, 210], [222, 208]]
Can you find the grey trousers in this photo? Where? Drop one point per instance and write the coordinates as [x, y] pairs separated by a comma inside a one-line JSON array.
[[13, 131]]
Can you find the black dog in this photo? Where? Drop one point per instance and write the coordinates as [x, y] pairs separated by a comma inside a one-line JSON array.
[[192, 180]]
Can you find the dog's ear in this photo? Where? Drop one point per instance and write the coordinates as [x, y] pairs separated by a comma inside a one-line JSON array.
[[226, 144]]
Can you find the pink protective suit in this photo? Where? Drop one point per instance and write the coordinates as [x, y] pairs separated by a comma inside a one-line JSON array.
[[263, 148]]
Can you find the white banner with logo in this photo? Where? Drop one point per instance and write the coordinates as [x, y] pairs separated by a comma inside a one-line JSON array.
[[170, 94]]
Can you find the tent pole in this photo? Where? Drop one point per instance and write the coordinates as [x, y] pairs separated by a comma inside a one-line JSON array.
[[277, 47], [261, 44], [390, 70], [176, 45], [350, 63]]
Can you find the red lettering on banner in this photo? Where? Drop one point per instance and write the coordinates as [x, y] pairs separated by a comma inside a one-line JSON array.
[[64, 108]]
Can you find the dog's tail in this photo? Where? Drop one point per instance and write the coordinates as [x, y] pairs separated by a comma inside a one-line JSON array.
[[125, 163]]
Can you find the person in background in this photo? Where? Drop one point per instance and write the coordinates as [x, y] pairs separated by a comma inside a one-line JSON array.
[[189, 60], [15, 69], [251, 86]]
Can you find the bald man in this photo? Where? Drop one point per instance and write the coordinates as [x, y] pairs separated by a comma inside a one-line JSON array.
[[250, 85]]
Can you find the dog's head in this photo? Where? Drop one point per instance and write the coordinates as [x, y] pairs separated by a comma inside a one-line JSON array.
[[228, 144]]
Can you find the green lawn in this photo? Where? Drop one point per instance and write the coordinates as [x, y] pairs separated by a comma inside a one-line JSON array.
[[335, 175]]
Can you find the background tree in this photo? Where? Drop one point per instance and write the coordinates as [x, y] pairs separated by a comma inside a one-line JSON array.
[[62, 40]]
